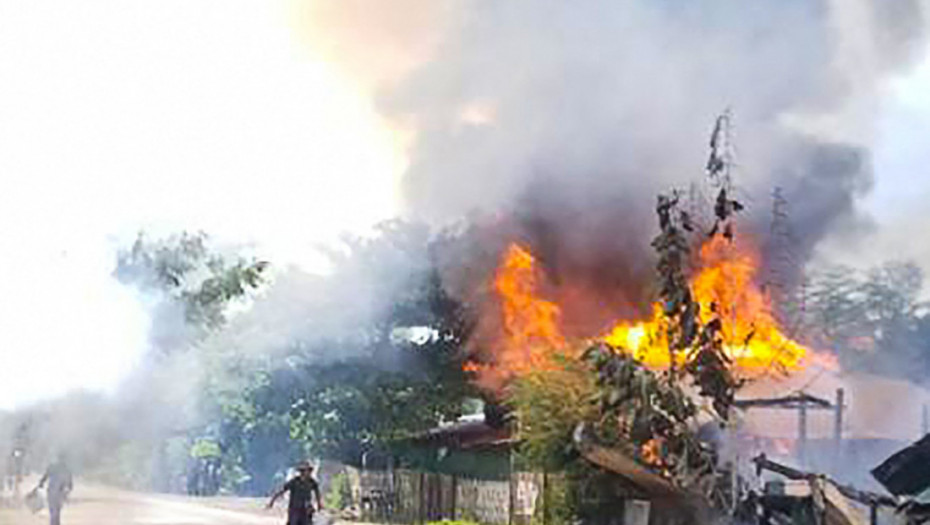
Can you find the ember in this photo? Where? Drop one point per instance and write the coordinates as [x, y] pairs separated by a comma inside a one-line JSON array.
[[651, 453]]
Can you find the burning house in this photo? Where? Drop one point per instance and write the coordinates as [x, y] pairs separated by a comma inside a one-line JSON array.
[[666, 401], [713, 324], [795, 407]]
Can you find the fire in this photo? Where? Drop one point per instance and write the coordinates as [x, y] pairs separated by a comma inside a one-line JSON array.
[[724, 285], [472, 367], [651, 453], [530, 323], [646, 340]]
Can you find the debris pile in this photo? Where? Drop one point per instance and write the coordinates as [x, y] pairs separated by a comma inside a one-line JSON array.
[[906, 475], [651, 420]]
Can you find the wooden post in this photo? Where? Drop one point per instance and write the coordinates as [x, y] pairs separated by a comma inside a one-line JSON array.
[[510, 488], [838, 430], [734, 483], [392, 487], [511, 506], [802, 433], [544, 500], [421, 510], [838, 420], [455, 495]]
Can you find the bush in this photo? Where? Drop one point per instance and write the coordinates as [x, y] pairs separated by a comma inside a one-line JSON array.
[[339, 496], [453, 522], [548, 403], [555, 506]]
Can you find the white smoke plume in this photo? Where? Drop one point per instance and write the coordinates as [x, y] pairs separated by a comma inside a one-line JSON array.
[[572, 116]]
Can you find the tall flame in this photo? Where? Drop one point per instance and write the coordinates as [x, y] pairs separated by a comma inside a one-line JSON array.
[[530, 323], [724, 285]]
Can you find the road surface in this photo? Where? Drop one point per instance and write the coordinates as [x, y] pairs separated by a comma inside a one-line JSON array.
[[98, 505]]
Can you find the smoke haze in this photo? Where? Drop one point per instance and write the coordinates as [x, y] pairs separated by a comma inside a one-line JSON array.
[[553, 123], [570, 118]]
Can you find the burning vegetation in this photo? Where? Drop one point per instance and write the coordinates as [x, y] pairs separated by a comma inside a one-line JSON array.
[[635, 399], [724, 287], [722, 291]]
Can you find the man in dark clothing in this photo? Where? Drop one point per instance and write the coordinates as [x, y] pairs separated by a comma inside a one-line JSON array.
[[58, 477], [302, 489]]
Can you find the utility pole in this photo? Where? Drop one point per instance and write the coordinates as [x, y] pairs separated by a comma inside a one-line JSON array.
[[784, 272], [838, 430], [802, 431]]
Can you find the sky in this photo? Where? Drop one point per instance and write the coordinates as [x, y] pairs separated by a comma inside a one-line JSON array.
[[117, 117], [899, 201], [168, 115]]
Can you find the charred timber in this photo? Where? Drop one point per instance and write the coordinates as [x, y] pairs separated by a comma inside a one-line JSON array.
[[905, 473], [865, 497], [616, 461], [790, 402]]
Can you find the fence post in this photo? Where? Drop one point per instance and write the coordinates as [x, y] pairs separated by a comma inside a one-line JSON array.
[[511, 493], [510, 485], [802, 432], [393, 499], [838, 430], [421, 510], [544, 500], [455, 495]]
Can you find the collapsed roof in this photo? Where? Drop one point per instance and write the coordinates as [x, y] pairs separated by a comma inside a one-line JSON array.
[[907, 472]]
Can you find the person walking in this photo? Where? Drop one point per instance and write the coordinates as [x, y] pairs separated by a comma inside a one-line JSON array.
[[59, 480], [15, 471], [302, 489]]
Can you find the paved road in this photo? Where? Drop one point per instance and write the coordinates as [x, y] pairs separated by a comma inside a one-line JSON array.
[[95, 505]]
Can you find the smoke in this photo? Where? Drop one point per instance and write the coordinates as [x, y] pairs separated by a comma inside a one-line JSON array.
[[141, 436], [147, 133], [569, 118], [368, 277], [558, 123]]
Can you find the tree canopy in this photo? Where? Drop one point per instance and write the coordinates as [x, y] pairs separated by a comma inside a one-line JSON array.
[[375, 356], [874, 320]]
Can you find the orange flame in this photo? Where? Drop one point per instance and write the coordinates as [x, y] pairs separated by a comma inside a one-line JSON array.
[[724, 285], [530, 324], [651, 453]]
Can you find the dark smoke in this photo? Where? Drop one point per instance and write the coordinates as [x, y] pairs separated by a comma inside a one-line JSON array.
[[568, 117]]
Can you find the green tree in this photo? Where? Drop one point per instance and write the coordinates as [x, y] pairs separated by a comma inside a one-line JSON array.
[[190, 286], [835, 303], [187, 272], [400, 376], [874, 320], [891, 292], [377, 356]]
